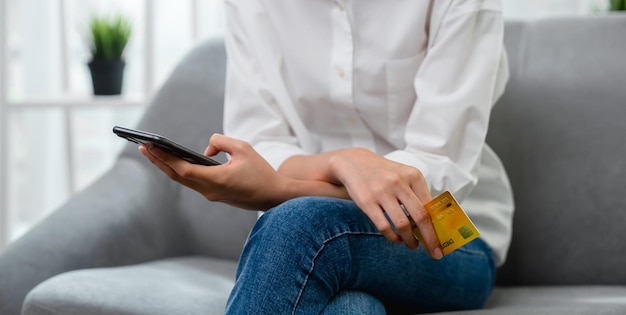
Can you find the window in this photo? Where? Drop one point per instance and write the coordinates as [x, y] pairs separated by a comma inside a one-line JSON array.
[[56, 136]]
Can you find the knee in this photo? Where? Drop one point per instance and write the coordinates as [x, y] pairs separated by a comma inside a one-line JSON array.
[[288, 233], [305, 217]]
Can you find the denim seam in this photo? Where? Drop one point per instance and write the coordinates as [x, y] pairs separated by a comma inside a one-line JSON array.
[[306, 279]]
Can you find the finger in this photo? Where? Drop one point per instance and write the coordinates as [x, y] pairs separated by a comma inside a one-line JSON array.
[[425, 231], [377, 215], [160, 165], [212, 148], [421, 222], [408, 200], [419, 186], [402, 222], [175, 167], [175, 163], [220, 143], [186, 180]]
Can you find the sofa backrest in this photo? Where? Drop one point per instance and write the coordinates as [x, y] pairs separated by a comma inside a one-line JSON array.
[[560, 130]]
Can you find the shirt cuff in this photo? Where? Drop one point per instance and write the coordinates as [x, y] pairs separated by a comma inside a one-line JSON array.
[[276, 153]]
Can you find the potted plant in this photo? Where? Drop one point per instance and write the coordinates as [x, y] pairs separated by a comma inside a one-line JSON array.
[[108, 38], [617, 5]]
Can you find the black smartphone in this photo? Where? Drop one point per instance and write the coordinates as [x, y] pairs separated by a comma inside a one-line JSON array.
[[143, 137]]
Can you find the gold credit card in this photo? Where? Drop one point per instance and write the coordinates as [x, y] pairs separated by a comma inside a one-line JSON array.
[[452, 225]]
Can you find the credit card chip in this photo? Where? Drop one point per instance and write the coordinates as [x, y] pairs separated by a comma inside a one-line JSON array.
[[466, 231]]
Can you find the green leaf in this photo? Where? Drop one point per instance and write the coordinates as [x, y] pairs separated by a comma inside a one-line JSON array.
[[109, 36], [617, 5]]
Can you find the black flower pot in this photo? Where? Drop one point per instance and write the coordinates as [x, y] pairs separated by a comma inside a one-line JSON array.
[[107, 76]]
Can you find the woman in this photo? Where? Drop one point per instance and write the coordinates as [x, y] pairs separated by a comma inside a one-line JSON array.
[[370, 107]]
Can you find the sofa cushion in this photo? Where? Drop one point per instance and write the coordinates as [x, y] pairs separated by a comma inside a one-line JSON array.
[[185, 285], [557, 300]]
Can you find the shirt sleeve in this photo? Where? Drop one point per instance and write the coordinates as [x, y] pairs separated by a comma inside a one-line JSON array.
[[463, 74], [256, 99]]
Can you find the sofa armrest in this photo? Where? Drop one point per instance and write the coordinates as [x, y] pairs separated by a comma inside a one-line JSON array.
[[126, 217]]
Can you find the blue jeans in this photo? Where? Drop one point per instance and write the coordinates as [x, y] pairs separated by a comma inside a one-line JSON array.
[[317, 255]]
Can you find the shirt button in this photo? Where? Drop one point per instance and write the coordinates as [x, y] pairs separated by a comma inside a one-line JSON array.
[[351, 121], [340, 6], [341, 72]]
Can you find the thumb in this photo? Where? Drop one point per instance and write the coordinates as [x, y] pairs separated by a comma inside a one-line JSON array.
[[220, 143]]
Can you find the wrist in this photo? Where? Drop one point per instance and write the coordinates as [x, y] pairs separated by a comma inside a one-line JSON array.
[[334, 167], [309, 167], [294, 188], [340, 161]]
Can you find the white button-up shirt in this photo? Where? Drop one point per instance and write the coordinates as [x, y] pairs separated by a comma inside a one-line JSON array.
[[413, 80]]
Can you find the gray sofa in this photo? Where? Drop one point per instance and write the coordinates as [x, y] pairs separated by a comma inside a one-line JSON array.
[[137, 243]]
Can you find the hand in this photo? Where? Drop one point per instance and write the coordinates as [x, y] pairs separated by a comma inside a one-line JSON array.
[[246, 180], [378, 186]]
